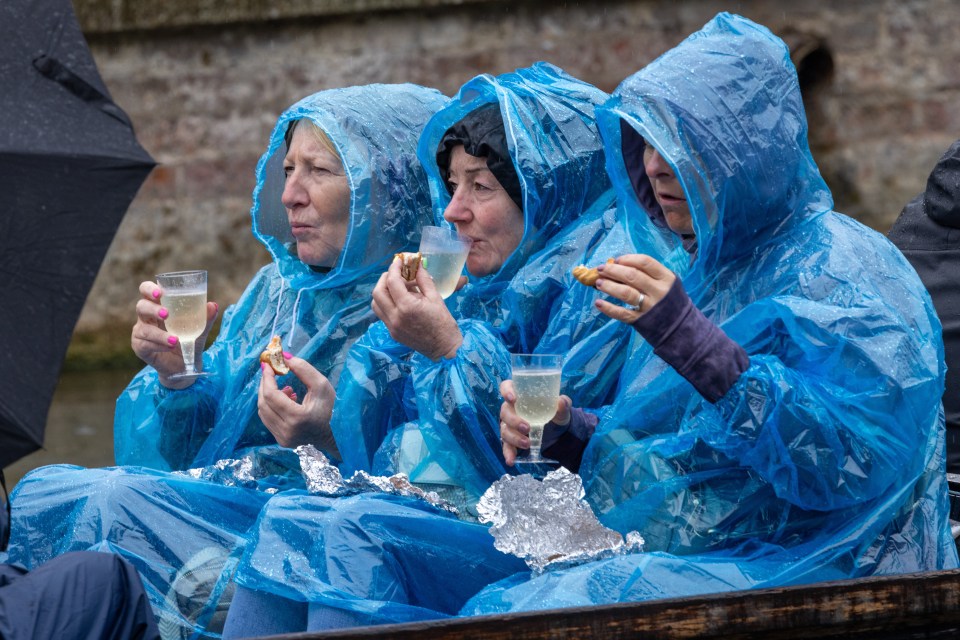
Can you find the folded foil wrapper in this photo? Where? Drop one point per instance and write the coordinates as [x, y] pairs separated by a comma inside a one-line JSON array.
[[273, 469], [548, 523]]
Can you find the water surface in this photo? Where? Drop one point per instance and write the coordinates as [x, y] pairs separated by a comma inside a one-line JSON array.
[[80, 423]]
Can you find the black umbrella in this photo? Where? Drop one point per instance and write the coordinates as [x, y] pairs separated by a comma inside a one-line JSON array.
[[69, 167]]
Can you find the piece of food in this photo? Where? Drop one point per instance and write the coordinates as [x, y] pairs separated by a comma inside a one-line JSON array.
[[588, 276], [409, 263], [273, 356]]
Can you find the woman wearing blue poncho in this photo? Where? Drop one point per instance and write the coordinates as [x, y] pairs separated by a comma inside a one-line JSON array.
[[780, 421], [516, 164], [314, 295], [426, 378], [339, 191]]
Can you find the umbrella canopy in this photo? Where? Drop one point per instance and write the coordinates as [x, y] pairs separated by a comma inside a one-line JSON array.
[[69, 167]]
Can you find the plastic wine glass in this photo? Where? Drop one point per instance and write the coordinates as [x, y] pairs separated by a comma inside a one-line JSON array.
[[184, 294], [444, 252], [536, 382]]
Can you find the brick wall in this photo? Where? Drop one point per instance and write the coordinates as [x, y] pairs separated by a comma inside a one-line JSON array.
[[204, 81]]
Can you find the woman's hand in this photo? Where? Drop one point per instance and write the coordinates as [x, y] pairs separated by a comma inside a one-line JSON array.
[[415, 313], [154, 345], [636, 279], [293, 423], [514, 430]]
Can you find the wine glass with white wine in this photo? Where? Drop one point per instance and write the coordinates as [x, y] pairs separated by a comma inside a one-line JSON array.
[[536, 383], [444, 253], [184, 295]]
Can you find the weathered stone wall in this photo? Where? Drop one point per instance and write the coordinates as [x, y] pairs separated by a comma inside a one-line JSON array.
[[204, 81]]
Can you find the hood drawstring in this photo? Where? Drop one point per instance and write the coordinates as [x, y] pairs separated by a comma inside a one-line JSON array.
[[276, 313], [293, 321]]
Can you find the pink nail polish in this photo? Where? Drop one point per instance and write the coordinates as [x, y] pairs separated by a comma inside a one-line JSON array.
[[263, 366], [156, 293], [163, 313], [287, 355], [172, 340]]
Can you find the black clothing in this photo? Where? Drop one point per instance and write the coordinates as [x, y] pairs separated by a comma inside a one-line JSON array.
[[928, 234], [80, 595]]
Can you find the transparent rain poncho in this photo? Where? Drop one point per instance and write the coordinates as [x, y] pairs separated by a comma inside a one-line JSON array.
[[825, 460], [397, 411], [439, 421], [317, 314], [185, 534]]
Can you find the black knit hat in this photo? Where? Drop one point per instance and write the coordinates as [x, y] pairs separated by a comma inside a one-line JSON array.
[[482, 135]]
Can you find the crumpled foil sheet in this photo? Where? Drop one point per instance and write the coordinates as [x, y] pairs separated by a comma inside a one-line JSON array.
[[324, 478], [267, 470], [271, 469], [548, 523]]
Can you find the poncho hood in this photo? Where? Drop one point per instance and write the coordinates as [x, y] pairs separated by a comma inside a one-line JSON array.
[[737, 144], [375, 130], [548, 118]]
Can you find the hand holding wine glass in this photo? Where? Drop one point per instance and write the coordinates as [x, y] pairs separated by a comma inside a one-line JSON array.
[[159, 348], [535, 389], [415, 313], [152, 343], [444, 253], [514, 430]]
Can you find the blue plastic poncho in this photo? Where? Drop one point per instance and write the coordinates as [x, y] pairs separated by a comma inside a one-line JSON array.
[[438, 421], [826, 459], [318, 314], [185, 535]]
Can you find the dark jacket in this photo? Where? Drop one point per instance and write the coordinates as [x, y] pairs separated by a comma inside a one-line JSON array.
[[928, 234]]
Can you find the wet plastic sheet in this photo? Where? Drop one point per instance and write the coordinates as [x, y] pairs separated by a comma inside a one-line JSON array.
[[826, 459], [183, 535]]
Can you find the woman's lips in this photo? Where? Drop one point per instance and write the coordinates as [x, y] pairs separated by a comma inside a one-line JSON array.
[[299, 229], [667, 198]]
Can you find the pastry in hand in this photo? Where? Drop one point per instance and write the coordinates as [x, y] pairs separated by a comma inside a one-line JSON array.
[[409, 263], [273, 356], [588, 276]]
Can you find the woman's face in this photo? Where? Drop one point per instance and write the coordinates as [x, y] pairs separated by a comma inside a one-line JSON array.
[[481, 209], [667, 190], [317, 198]]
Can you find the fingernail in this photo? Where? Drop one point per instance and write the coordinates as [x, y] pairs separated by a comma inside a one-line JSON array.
[[156, 293], [216, 307], [172, 340], [287, 355], [263, 366], [163, 313], [599, 284], [600, 267]]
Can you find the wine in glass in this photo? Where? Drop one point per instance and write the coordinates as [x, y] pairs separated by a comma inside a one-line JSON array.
[[536, 382], [444, 253], [184, 294]]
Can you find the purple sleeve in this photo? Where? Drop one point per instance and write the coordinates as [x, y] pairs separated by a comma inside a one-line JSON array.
[[694, 346], [566, 444]]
